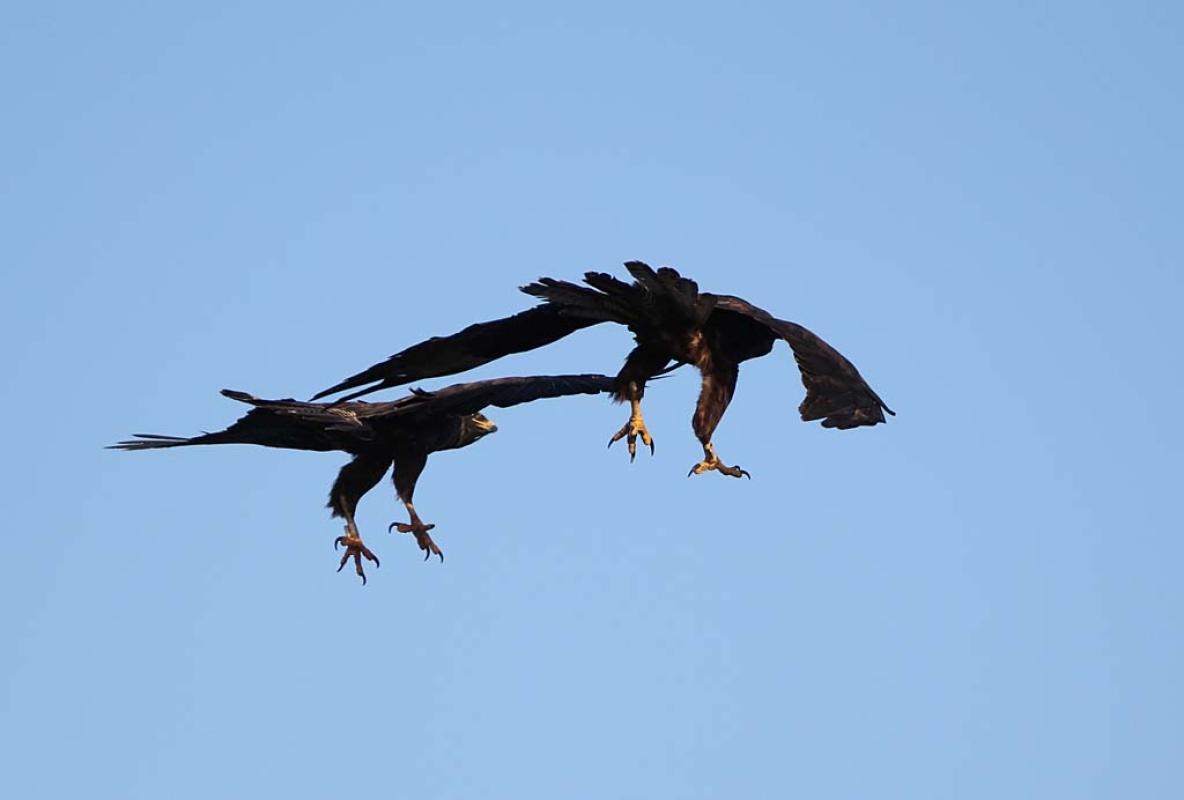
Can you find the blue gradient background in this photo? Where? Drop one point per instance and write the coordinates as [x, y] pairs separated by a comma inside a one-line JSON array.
[[979, 206]]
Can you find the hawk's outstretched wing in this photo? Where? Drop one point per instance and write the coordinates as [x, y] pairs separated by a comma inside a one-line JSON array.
[[835, 391], [475, 345], [469, 398]]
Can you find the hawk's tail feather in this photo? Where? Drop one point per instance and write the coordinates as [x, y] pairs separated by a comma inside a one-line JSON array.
[[155, 441]]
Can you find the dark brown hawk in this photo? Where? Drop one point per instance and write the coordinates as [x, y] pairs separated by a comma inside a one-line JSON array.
[[673, 324], [403, 433]]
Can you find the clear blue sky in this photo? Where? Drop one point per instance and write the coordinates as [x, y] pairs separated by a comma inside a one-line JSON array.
[[980, 207]]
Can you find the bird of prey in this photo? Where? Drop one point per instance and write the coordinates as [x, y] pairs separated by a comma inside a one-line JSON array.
[[403, 432], [673, 324]]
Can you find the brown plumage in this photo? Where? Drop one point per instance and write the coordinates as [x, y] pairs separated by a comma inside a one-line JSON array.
[[403, 433], [673, 324]]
